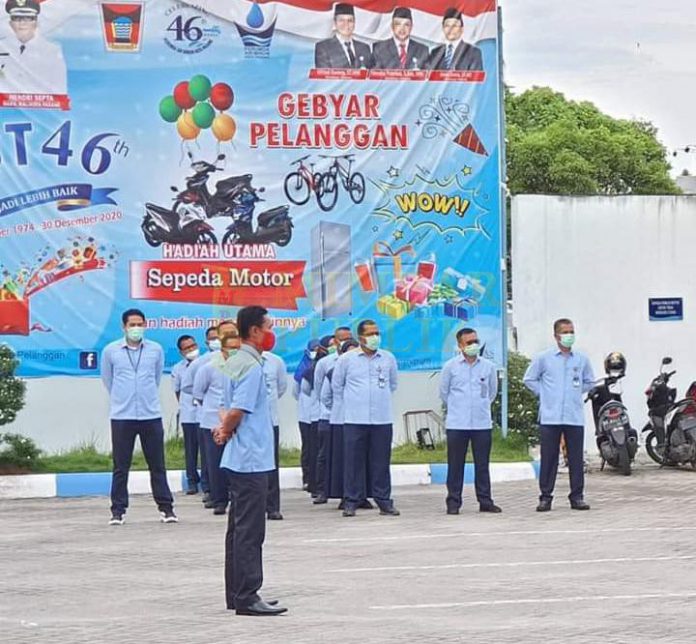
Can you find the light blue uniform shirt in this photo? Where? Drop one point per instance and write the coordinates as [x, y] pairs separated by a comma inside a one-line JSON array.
[[468, 390], [559, 380], [323, 367], [188, 379], [251, 447], [304, 402], [208, 390], [187, 412], [276, 374], [333, 403], [132, 377], [365, 384]]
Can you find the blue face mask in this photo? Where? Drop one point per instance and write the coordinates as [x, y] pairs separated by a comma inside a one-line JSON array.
[[135, 333], [567, 340], [215, 345], [373, 342]]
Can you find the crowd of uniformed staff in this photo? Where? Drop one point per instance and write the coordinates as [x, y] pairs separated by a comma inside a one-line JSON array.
[[344, 385]]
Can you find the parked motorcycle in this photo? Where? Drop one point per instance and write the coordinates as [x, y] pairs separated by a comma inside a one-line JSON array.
[[273, 226], [672, 426], [617, 441], [184, 225]]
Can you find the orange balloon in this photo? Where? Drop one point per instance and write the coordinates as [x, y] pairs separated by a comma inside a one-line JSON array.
[[224, 128], [186, 128]]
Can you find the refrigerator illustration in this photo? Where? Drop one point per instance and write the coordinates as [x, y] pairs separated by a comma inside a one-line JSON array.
[[331, 270]]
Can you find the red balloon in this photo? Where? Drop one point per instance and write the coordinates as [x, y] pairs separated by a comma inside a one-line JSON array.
[[221, 96], [182, 97]]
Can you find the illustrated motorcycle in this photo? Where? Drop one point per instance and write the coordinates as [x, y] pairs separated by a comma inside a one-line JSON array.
[[672, 426], [185, 224], [273, 226], [617, 441], [220, 204]]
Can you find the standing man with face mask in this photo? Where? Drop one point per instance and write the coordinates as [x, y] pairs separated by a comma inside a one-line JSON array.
[[188, 348], [560, 377], [364, 381], [468, 388], [131, 371], [247, 431]]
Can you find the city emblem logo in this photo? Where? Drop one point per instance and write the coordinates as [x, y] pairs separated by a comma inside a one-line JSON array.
[[123, 25], [257, 33]]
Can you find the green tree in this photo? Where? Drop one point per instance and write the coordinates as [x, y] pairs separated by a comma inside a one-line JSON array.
[[523, 406], [557, 146], [11, 388]]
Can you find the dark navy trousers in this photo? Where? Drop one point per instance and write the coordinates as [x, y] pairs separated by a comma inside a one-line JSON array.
[[367, 446], [457, 445], [550, 446]]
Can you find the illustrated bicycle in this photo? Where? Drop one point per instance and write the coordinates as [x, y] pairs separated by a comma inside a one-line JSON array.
[[301, 183], [353, 182]]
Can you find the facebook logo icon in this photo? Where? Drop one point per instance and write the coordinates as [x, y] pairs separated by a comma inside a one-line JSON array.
[[88, 360]]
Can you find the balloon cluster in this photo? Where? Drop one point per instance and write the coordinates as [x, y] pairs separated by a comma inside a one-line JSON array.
[[192, 107]]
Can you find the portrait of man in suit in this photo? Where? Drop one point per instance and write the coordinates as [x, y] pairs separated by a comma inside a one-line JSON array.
[[342, 51], [455, 53], [400, 51]]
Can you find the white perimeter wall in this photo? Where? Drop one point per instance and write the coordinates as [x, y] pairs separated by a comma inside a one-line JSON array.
[[63, 412], [597, 260]]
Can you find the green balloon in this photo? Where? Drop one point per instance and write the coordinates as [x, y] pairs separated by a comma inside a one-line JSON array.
[[203, 115], [199, 87], [169, 110]]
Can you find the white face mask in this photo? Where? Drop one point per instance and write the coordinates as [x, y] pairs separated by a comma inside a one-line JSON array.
[[312, 355], [192, 355], [215, 345]]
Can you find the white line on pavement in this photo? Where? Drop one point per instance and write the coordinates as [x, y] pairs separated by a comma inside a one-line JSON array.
[[517, 564], [540, 600], [453, 535]]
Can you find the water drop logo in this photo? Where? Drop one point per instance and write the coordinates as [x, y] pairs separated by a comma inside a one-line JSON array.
[[257, 33]]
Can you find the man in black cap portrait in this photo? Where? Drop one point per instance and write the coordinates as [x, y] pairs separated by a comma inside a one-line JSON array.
[[342, 51], [29, 64], [400, 51], [455, 53]]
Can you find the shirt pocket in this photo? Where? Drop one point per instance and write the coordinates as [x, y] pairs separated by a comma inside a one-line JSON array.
[[483, 388]]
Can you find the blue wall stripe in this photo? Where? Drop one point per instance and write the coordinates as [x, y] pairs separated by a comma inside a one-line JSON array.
[[86, 484]]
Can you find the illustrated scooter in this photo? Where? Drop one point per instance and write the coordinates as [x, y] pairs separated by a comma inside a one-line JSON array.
[[273, 226], [184, 225]]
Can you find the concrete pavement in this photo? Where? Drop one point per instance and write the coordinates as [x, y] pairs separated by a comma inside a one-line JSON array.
[[623, 572]]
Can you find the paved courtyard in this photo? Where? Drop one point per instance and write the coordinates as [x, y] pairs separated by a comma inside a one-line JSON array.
[[624, 572]]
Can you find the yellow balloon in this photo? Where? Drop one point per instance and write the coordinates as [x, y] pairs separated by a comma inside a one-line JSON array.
[[224, 128], [186, 128]]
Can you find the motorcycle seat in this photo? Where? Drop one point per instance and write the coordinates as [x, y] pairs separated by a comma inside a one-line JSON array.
[[266, 216], [234, 183], [166, 213]]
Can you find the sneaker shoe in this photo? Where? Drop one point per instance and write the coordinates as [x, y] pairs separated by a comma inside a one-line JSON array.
[[116, 519], [168, 516]]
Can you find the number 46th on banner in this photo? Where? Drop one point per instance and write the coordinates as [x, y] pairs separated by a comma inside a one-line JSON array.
[[95, 156]]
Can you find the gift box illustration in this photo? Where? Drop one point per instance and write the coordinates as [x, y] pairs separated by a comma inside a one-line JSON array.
[[17, 288], [366, 276], [413, 289], [392, 306], [390, 265], [462, 309], [442, 293], [430, 311], [427, 267], [465, 285]]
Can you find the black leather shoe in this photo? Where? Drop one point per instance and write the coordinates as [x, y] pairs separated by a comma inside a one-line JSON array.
[[348, 512], [389, 512], [261, 608], [579, 505], [452, 511], [492, 508], [341, 505], [192, 490], [206, 497], [219, 509], [270, 602], [320, 500], [366, 505], [275, 516], [208, 505], [544, 506]]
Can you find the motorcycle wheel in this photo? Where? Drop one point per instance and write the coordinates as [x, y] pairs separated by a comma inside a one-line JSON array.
[[149, 235], [296, 188], [206, 237], [285, 237], [230, 237], [624, 461], [327, 195], [356, 187], [656, 453]]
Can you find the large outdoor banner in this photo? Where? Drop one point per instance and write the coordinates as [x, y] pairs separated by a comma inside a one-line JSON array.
[[331, 162]]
